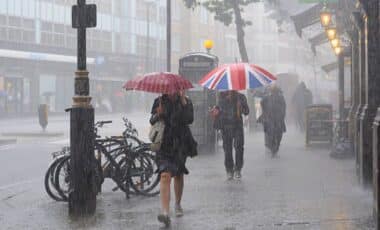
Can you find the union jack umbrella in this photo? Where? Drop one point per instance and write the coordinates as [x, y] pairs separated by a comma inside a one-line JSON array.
[[239, 76], [165, 83]]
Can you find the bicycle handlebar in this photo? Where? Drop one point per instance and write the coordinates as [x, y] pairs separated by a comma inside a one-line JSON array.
[[101, 123]]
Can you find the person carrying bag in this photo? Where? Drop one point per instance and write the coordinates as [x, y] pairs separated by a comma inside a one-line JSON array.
[[173, 145]]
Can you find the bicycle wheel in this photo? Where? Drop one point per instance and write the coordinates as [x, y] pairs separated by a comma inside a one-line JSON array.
[[142, 173], [62, 178], [49, 181]]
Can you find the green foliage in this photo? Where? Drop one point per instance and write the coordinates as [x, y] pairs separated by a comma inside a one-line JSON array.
[[223, 9]]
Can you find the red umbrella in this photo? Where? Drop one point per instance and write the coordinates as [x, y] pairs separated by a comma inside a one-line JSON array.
[[166, 83]]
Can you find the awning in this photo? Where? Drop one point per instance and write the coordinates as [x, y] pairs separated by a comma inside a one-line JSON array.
[[317, 40], [306, 18], [37, 56], [330, 67]]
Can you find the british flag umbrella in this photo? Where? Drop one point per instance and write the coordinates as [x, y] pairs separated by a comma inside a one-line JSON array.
[[238, 76], [159, 82]]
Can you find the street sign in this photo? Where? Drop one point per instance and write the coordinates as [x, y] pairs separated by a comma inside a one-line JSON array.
[[89, 16]]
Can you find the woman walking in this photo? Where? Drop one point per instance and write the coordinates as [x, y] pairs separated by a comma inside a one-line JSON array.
[[176, 112]]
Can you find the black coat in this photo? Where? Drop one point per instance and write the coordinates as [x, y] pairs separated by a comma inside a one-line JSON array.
[[274, 112], [229, 116], [178, 141]]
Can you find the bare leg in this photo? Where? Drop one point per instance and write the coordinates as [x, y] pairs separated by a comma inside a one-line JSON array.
[[165, 192], [178, 188]]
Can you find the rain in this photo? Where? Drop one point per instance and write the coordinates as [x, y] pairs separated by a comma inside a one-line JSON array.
[[189, 114]]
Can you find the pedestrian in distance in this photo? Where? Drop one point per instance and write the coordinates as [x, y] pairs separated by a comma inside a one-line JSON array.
[[302, 98], [228, 118], [176, 113], [273, 118]]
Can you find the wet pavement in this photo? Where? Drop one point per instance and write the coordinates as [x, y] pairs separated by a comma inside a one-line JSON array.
[[300, 189]]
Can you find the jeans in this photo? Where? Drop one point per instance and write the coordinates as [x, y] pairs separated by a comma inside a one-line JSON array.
[[233, 136]]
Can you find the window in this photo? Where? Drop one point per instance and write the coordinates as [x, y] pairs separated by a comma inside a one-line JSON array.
[[15, 34], [204, 15], [176, 43], [162, 15], [3, 7], [176, 10]]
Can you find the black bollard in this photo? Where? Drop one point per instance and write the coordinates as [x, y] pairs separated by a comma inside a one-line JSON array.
[[82, 198]]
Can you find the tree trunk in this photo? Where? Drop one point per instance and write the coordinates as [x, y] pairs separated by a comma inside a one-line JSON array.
[[240, 33]]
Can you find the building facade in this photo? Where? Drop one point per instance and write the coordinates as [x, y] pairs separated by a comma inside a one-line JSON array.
[[191, 27], [38, 51]]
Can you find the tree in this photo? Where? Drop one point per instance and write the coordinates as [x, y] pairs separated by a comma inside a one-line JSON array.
[[227, 12]]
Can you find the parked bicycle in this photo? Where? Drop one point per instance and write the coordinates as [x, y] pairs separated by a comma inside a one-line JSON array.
[[128, 161]]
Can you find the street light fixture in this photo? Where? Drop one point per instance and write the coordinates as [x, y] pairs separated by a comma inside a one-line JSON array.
[[331, 33], [335, 43], [208, 44], [325, 17], [338, 50]]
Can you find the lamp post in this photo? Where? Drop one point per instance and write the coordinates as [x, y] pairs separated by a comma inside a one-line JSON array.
[[208, 44], [82, 196]]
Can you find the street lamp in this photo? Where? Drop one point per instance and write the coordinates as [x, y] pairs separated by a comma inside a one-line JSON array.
[[338, 50], [331, 33], [325, 16], [208, 44], [335, 43]]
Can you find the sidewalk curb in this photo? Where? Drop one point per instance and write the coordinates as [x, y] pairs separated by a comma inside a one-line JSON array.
[[7, 141], [37, 134]]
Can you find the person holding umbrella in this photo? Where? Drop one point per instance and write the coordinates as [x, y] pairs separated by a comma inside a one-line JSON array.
[[232, 106], [229, 79], [175, 111]]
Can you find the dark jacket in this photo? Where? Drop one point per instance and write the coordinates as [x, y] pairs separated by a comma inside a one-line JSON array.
[[230, 113], [274, 111], [178, 140]]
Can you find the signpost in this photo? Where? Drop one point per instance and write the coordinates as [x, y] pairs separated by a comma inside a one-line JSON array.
[[82, 197]]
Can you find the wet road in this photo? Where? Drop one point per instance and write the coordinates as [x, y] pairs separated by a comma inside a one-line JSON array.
[[300, 189]]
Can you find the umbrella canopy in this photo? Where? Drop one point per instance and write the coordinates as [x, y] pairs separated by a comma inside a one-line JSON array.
[[239, 76], [165, 83]]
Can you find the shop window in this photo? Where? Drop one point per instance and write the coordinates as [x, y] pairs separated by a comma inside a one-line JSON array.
[[46, 26], [46, 38], [28, 36], [48, 90], [15, 34], [14, 21], [59, 28], [28, 24], [3, 33], [59, 39]]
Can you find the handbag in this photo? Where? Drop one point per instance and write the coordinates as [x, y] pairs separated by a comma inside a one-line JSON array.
[[156, 133]]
